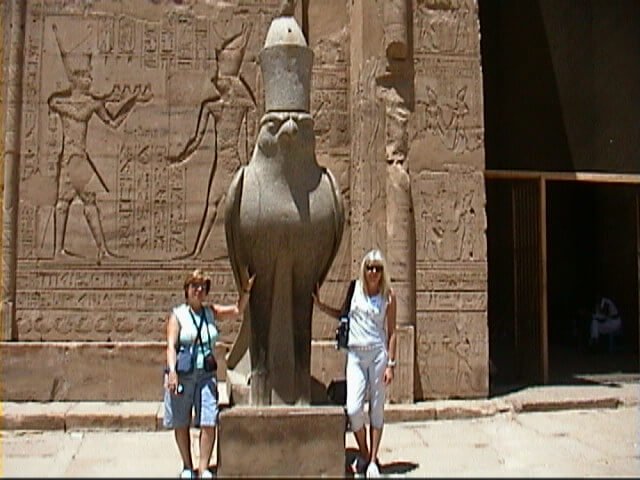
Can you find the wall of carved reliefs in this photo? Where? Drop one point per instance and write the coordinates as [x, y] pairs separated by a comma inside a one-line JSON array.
[[2, 109], [447, 164], [134, 115]]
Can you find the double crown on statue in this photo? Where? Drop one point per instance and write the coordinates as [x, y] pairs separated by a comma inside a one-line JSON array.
[[286, 62]]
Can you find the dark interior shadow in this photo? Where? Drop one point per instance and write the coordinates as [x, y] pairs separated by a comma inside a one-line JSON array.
[[318, 392], [580, 367], [397, 467], [337, 392]]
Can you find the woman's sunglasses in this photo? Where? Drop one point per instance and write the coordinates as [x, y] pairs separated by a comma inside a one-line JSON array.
[[374, 268]]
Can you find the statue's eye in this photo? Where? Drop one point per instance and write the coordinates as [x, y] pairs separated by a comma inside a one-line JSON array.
[[273, 126]]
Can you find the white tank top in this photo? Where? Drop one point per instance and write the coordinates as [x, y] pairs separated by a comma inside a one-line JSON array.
[[367, 319], [189, 331]]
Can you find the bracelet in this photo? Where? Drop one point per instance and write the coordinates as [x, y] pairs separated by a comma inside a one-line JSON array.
[[391, 363], [246, 291]]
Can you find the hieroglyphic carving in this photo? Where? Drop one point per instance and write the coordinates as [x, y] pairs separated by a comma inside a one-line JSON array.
[[448, 84], [229, 110], [368, 168], [450, 206], [447, 26], [329, 38], [452, 348], [395, 28], [443, 276], [400, 222], [121, 95], [11, 153], [449, 102], [447, 159], [76, 106], [2, 109], [329, 96]]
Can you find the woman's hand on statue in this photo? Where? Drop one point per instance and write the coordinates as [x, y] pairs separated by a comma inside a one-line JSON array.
[[249, 285], [316, 294]]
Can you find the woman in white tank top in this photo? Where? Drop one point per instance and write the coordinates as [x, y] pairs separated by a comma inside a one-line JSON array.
[[371, 355]]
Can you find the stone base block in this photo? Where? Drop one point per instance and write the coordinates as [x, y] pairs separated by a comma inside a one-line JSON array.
[[119, 371], [282, 441]]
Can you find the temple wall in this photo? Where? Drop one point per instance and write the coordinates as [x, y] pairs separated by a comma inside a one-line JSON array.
[[397, 103]]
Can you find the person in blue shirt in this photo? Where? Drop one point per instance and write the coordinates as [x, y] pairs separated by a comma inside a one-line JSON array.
[[192, 326]]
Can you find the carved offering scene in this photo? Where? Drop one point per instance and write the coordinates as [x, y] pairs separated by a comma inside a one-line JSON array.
[[134, 121]]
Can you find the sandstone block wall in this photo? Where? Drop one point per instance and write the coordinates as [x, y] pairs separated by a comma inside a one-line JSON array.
[[106, 227]]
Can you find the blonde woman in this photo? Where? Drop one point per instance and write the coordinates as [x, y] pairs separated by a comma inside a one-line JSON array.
[[371, 355]]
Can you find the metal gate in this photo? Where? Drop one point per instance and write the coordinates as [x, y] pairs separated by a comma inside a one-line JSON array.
[[529, 276]]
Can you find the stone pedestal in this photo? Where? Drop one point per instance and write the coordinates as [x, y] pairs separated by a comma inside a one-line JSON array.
[[282, 441]]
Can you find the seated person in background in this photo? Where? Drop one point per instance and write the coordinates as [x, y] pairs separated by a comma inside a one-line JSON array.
[[605, 319]]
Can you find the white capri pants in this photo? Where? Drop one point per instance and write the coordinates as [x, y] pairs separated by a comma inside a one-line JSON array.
[[365, 369]]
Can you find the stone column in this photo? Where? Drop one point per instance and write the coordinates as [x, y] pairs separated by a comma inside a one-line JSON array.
[[13, 99], [395, 29], [367, 184], [382, 211]]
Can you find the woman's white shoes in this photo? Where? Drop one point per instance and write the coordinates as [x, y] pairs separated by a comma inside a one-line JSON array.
[[187, 473], [372, 470]]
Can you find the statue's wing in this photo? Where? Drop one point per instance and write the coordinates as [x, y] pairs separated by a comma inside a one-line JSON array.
[[238, 261], [338, 217]]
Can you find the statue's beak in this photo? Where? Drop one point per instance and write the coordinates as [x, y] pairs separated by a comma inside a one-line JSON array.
[[288, 130]]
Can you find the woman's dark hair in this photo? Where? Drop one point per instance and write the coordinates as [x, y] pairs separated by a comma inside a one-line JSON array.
[[197, 276]]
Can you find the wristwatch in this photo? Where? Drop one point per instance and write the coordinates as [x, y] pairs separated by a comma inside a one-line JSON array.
[[391, 363]]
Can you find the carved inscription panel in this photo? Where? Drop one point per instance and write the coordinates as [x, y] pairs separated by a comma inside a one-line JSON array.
[[135, 117], [446, 160]]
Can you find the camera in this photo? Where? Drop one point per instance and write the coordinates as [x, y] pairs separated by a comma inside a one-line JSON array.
[[210, 364], [342, 334]]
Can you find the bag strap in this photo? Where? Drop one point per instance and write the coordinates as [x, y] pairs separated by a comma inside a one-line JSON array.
[[199, 328], [346, 306]]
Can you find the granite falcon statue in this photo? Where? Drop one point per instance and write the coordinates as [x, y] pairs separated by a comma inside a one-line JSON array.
[[284, 220]]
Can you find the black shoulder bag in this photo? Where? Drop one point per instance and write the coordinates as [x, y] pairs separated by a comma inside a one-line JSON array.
[[342, 332], [210, 364]]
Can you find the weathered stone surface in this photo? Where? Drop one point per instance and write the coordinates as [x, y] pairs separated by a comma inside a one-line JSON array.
[[85, 371], [402, 388], [126, 121], [284, 220], [31, 415], [286, 441], [136, 416]]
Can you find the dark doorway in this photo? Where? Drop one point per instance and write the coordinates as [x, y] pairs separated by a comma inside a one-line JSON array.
[[555, 78], [591, 251], [591, 247]]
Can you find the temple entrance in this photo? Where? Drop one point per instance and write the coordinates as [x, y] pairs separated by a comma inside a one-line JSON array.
[[562, 182], [555, 242], [592, 239]]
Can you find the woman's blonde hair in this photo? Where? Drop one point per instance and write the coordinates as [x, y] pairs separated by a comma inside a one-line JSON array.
[[197, 276], [375, 257]]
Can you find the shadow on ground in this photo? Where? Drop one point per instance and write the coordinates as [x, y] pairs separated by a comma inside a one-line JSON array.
[[391, 468], [575, 365]]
